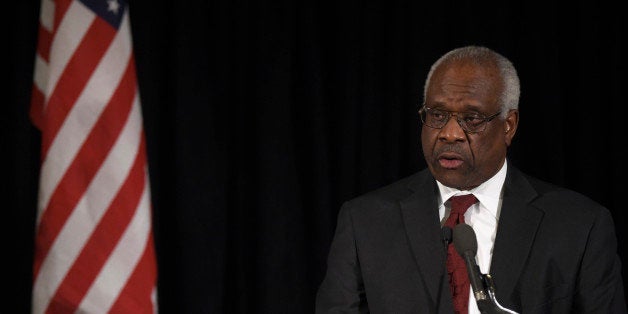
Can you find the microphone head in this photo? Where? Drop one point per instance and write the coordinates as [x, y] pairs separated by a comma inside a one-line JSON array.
[[464, 239]]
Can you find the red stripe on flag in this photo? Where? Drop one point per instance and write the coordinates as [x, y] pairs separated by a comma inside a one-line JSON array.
[[85, 166], [103, 240], [61, 7], [37, 107], [43, 43], [136, 295], [74, 78]]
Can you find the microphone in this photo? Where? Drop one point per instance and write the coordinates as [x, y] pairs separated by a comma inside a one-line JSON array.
[[447, 236], [466, 245]]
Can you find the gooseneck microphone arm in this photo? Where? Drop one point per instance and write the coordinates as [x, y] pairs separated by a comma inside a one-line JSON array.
[[490, 288]]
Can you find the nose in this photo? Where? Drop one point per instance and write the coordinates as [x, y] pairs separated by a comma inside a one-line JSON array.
[[452, 131]]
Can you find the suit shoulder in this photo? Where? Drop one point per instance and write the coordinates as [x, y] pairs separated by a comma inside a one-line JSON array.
[[552, 197], [388, 194]]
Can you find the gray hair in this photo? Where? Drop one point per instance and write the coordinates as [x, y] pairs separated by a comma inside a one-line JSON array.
[[509, 98]]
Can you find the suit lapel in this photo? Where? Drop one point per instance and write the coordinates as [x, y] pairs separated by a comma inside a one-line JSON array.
[[420, 217], [518, 223]]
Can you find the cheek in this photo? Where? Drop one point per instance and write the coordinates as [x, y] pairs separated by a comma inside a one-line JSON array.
[[427, 141], [489, 151]]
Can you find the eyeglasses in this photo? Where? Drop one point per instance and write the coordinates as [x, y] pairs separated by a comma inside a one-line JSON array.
[[470, 122]]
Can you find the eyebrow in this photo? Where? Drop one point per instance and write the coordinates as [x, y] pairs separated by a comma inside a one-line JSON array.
[[466, 107]]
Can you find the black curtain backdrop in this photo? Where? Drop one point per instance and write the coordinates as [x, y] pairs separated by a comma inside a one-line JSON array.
[[263, 117]]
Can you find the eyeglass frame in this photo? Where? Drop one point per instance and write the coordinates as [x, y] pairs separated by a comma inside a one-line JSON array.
[[485, 120]]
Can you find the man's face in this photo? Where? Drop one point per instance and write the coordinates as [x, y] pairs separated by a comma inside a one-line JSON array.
[[455, 158]]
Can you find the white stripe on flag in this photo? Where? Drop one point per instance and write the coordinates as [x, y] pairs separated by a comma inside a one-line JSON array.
[[47, 14], [41, 75]]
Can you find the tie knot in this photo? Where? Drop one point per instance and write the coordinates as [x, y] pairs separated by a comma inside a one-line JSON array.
[[460, 204]]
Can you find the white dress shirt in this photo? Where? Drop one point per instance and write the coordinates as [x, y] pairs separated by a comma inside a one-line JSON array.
[[482, 216]]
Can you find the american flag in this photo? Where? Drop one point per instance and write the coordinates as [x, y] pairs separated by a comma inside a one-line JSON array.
[[94, 250]]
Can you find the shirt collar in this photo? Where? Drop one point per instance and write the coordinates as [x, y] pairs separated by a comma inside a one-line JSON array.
[[487, 193]]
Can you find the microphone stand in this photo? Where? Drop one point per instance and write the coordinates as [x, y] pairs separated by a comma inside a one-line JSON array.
[[491, 306]]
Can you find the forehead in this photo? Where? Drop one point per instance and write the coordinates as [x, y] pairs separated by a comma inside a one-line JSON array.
[[465, 85]]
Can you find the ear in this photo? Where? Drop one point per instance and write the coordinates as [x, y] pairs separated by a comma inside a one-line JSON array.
[[510, 127]]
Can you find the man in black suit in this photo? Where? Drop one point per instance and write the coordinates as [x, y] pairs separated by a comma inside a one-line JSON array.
[[548, 249]]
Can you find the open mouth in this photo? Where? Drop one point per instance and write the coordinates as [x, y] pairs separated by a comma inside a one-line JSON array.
[[450, 163], [450, 160]]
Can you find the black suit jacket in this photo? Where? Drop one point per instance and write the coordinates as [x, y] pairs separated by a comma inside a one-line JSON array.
[[555, 252]]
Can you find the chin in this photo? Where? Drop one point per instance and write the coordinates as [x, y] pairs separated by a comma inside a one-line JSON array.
[[452, 184], [452, 178], [449, 181]]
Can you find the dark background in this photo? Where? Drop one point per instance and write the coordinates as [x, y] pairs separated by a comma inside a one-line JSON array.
[[263, 117]]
